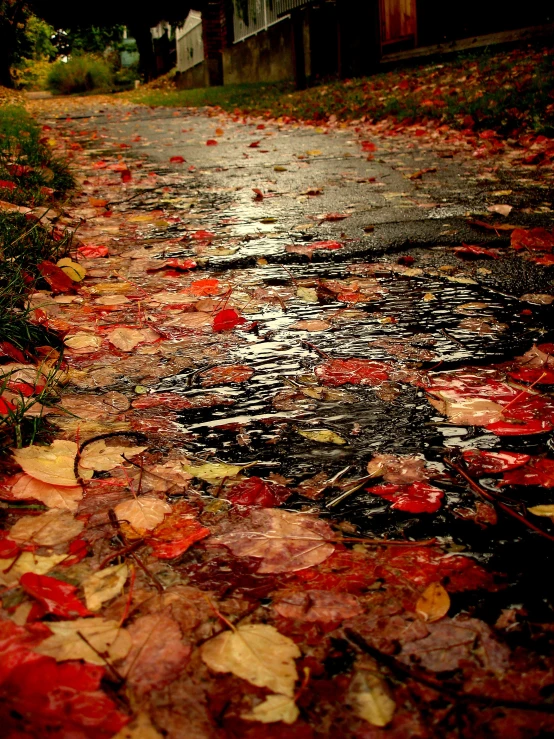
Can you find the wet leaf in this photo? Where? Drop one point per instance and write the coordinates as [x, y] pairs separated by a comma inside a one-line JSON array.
[[49, 529], [72, 269], [53, 496], [284, 541], [178, 532], [481, 463], [318, 606], [213, 472], [419, 497], [83, 340], [337, 372], [102, 458], [543, 510], [323, 436], [537, 471], [226, 320], [56, 596], [127, 339], [157, 654], [370, 699], [255, 491], [105, 638], [469, 411], [310, 325], [104, 585], [223, 375], [307, 294], [53, 464], [57, 279], [142, 514], [257, 653], [433, 603], [12, 569], [274, 708], [140, 728]]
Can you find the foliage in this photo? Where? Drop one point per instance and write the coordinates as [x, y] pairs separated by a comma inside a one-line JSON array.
[[93, 39], [506, 91], [38, 40], [82, 73]]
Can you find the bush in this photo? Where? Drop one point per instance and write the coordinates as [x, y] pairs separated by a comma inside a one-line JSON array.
[[82, 73]]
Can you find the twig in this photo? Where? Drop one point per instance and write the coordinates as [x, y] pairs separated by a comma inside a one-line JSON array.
[[115, 523], [109, 665]]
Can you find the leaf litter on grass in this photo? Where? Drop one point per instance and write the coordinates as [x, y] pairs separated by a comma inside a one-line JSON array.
[[227, 534]]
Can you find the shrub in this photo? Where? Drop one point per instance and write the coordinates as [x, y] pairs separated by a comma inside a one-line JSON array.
[[82, 73]]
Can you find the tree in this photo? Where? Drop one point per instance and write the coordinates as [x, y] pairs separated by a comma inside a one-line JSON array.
[[13, 19]]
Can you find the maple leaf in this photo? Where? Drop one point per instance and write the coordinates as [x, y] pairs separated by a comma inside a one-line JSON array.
[[54, 595], [257, 653], [255, 491], [127, 339], [177, 532], [370, 698], [104, 585], [417, 497], [226, 374], [13, 568], [104, 637], [335, 372], [285, 542], [142, 514], [157, 654], [48, 529], [53, 464], [481, 463], [53, 496]]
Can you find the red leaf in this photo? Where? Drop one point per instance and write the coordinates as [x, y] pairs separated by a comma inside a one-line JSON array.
[[334, 217], [56, 596], [254, 145], [177, 160], [181, 265], [11, 351], [56, 278], [8, 548], [256, 491], [40, 697], [19, 170], [93, 252], [475, 251], [205, 287], [539, 471], [489, 463], [419, 497], [5, 406], [368, 146], [211, 142], [179, 531], [335, 372], [126, 175], [534, 238], [7, 185], [505, 428], [226, 320], [202, 235], [224, 375], [539, 375], [331, 245]]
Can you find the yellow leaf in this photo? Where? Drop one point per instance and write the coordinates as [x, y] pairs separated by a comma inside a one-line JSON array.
[[433, 603], [47, 530], [142, 514], [139, 728], [274, 708], [127, 339], [72, 269], [53, 464], [323, 436], [213, 472], [307, 294], [469, 411], [53, 496], [314, 153], [27, 562], [97, 456], [83, 340], [257, 653], [104, 585], [104, 637], [542, 510], [370, 699], [428, 297]]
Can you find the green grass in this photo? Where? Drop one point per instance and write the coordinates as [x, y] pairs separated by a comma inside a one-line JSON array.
[[25, 242], [508, 91]]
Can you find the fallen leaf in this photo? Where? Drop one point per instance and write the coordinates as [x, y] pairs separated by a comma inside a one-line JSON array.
[[318, 605], [274, 708], [542, 510], [104, 637], [284, 541], [12, 569], [468, 411], [537, 471], [56, 596], [337, 372], [213, 472], [49, 529], [139, 728], [433, 603], [257, 653], [310, 325], [57, 279], [323, 436], [370, 699], [226, 320], [157, 654], [72, 269], [142, 514], [104, 585], [533, 238], [83, 340], [53, 496], [223, 375], [177, 532], [102, 458], [418, 497], [504, 210], [481, 463], [255, 491], [54, 464], [307, 294], [127, 339]]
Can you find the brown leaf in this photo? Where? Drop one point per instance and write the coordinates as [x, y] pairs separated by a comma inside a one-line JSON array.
[[157, 655], [318, 605], [434, 603]]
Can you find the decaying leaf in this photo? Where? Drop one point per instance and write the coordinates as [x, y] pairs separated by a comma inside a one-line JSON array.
[[72, 269], [139, 728], [433, 603], [142, 514], [54, 464], [284, 541], [274, 708], [104, 585], [257, 653], [318, 605], [100, 457], [469, 411], [104, 638], [48, 529], [370, 699], [127, 339], [157, 654], [323, 436]]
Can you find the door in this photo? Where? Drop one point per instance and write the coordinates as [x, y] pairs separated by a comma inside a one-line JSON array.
[[398, 21]]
